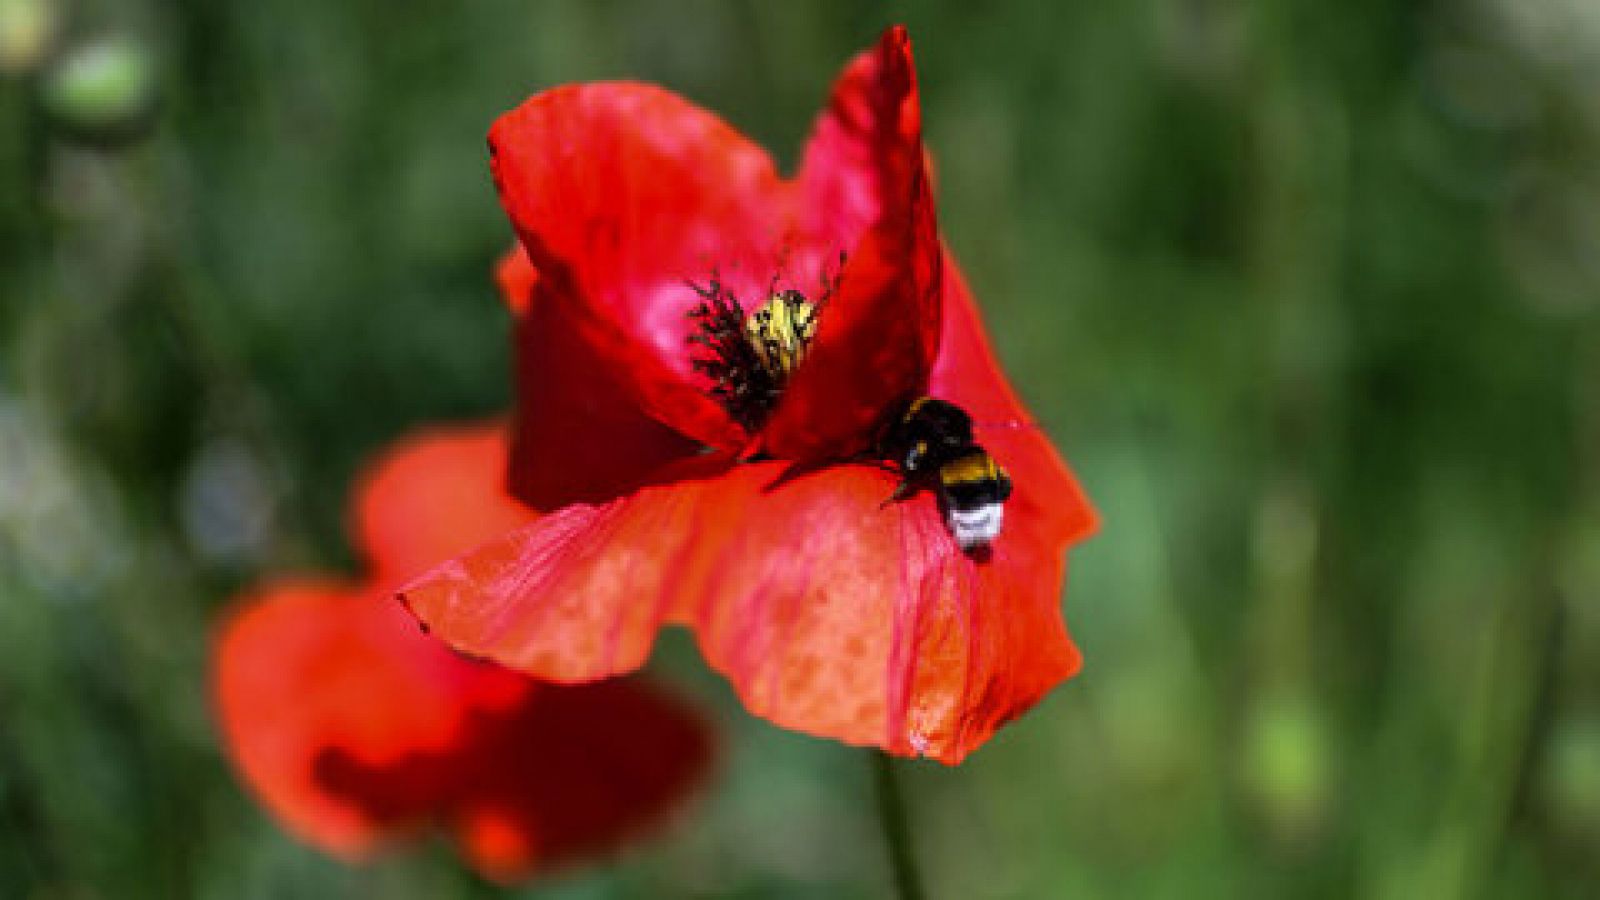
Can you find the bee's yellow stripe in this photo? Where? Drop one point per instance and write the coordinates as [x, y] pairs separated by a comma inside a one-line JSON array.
[[975, 467]]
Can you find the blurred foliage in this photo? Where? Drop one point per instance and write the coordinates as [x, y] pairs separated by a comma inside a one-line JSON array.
[[1307, 291]]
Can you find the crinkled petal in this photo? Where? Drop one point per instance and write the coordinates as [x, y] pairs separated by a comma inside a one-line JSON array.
[[578, 595], [355, 729], [838, 615], [832, 612], [623, 193], [864, 189], [435, 494]]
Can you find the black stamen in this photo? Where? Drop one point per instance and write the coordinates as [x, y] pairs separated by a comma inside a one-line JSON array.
[[748, 359], [744, 387]]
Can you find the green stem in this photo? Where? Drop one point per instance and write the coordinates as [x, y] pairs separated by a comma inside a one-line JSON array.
[[896, 827]]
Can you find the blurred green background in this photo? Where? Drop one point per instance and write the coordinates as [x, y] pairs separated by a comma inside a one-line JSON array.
[[1308, 292]]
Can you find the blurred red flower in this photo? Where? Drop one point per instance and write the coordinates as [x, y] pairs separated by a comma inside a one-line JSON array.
[[832, 611], [354, 728]]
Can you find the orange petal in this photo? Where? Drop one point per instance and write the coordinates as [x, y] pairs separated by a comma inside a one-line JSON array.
[[577, 595], [832, 612]]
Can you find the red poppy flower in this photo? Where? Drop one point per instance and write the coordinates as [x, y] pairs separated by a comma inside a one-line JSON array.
[[354, 728], [766, 528]]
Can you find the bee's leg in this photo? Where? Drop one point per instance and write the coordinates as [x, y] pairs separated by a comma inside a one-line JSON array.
[[901, 491]]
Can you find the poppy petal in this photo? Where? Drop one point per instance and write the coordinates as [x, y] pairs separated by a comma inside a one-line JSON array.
[[863, 147], [572, 443], [587, 767], [864, 189], [967, 374], [840, 616], [577, 438], [435, 494], [355, 729], [578, 595], [623, 194], [315, 680], [833, 612]]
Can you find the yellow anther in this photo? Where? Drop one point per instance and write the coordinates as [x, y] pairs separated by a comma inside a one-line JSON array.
[[781, 330]]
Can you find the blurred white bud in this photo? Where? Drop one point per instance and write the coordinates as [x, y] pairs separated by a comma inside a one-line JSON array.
[[103, 87]]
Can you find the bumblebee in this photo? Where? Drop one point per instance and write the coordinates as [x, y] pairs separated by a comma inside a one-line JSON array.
[[931, 443], [749, 360]]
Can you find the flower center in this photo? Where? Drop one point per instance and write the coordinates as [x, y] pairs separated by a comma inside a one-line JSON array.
[[749, 358]]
